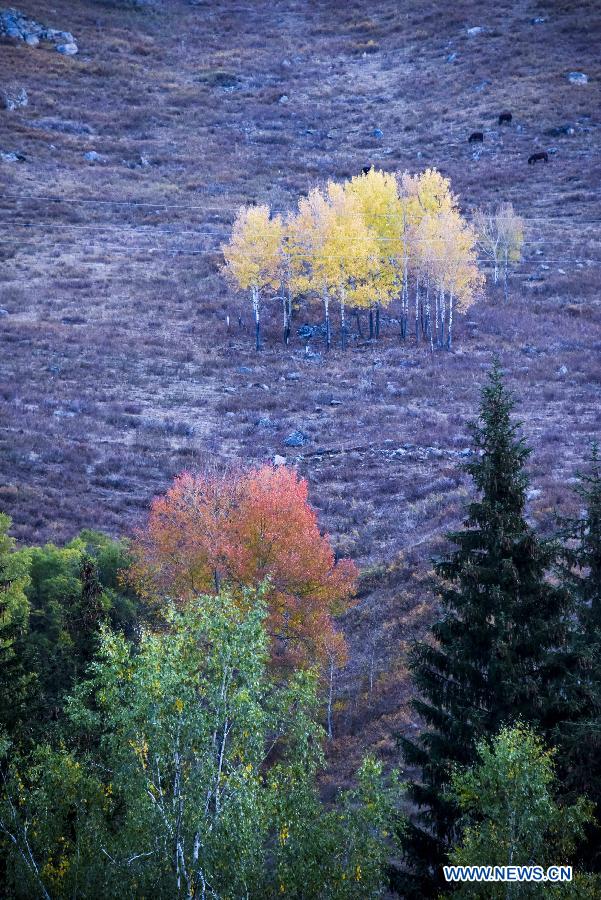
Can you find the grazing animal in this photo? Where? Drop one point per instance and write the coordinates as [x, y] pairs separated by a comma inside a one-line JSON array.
[[476, 136], [366, 170], [542, 156], [505, 117]]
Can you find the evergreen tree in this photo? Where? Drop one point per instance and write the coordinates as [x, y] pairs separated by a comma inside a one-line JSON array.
[[500, 649], [579, 738]]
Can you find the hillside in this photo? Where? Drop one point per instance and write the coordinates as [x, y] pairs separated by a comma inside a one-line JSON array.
[[118, 367]]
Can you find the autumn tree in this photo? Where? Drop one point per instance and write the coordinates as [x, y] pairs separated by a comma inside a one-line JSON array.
[[336, 254], [253, 257], [240, 530], [443, 254], [500, 238], [385, 215]]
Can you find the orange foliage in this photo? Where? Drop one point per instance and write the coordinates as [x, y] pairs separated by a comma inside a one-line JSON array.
[[240, 529]]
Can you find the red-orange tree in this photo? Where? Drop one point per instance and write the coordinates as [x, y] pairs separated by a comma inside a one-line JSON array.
[[239, 530]]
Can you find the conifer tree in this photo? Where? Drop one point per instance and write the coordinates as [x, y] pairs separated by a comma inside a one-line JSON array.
[[500, 644], [579, 738]]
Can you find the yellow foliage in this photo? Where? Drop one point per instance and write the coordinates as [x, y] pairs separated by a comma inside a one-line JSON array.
[[253, 257]]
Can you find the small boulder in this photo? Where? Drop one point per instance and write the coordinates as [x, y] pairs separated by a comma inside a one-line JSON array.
[[69, 49], [15, 99], [577, 78], [563, 370], [3, 313], [378, 133], [297, 438], [11, 156], [279, 460], [92, 156]]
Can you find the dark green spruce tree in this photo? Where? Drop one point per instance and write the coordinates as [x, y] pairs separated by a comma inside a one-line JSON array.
[[500, 650], [579, 738]]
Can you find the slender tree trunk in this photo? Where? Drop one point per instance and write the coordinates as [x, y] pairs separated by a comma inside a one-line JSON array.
[[326, 303], [371, 323], [286, 323], [289, 314], [417, 308], [358, 319], [450, 328], [429, 329], [342, 321], [255, 300], [506, 278], [377, 320], [442, 316], [330, 698]]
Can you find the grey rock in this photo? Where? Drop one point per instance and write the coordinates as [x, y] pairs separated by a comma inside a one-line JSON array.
[[293, 376], [19, 27], [577, 78], [283, 98], [69, 49], [378, 133], [245, 370], [92, 156], [538, 20], [563, 370], [560, 130], [467, 451], [297, 438], [3, 312], [451, 57], [532, 494], [279, 460], [477, 29], [63, 126], [11, 156], [15, 99], [265, 422]]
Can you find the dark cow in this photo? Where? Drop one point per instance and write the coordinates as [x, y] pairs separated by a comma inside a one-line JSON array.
[[542, 156], [476, 136], [505, 117], [366, 170]]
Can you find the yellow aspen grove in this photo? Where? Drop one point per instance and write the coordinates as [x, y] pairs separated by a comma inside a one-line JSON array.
[[428, 196], [333, 252], [253, 257], [383, 212]]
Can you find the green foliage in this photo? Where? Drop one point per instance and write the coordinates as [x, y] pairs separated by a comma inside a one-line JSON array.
[[353, 837], [71, 591], [500, 647], [512, 818], [192, 774], [15, 680]]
